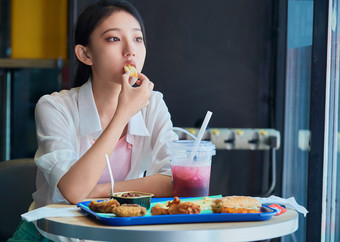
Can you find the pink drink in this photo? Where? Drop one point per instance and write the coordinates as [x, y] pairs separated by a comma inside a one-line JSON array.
[[191, 181]]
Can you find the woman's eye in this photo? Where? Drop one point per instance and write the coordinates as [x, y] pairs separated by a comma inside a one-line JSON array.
[[113, 39], [139, 39]]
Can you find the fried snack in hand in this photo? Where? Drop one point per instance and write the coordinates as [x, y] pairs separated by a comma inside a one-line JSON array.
[[129, 210], [105, 206], [132, 70]]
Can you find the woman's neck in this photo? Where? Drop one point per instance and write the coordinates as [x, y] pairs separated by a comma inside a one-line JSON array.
[[106, 99]]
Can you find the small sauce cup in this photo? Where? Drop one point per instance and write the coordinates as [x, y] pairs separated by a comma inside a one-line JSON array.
[[133, 197]]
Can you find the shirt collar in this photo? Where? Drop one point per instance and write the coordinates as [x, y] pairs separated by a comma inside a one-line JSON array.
[[88, 114], [137, 125], [90, 121]]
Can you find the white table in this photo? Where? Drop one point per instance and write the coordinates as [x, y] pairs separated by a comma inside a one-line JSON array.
[[85, 227]]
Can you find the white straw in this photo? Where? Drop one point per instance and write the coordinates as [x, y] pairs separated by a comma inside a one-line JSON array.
[[110, 172], [200, 135]]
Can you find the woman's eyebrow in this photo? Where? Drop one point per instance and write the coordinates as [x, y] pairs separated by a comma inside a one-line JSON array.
[[118, 29], [108, 30]]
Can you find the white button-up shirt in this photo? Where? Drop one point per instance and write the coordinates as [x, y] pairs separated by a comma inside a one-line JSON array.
[[67, 122]]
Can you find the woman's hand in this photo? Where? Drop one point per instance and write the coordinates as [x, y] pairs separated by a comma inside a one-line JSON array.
[[132, 99]]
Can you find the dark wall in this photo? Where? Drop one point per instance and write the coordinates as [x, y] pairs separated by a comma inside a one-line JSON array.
[[211, 55], [219, 56], [215, 55]]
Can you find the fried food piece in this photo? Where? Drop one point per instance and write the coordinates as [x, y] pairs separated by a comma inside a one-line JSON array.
[[240, 210], [174, 202], [159, 209], [176, 207], [129, 210], [132, 70], [205, 204], [236, 204], [105, 206], [185, 208]]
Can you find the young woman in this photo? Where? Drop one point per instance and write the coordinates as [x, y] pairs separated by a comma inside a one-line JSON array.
[[107, 114]]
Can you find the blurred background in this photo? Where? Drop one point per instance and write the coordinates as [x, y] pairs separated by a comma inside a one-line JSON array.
[[250, 62]]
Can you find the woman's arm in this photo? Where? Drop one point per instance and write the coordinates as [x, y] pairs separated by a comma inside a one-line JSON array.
[[83, 176], [163, 187]]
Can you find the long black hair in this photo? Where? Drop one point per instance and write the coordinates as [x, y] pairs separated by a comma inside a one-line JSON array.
[[89, 20]]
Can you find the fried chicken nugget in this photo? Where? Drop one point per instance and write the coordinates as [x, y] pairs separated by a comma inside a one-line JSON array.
[[173, 202], [159, 209], [176, 207], [129, 210], [105, 206], [185, 208]]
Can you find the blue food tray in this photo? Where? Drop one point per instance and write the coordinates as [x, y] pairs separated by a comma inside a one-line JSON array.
[[206, 216]]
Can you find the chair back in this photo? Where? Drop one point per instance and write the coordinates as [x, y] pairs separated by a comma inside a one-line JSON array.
[[17, 183]]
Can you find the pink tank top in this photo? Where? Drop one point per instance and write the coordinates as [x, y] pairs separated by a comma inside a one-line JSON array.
[[120, 161]]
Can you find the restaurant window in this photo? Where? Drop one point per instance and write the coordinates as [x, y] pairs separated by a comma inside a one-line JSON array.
[[330, 223], [311, 125], [297, 106]]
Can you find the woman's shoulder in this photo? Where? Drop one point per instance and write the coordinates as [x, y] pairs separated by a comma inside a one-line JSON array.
[[156, 103], [156, 95], [63, 97]]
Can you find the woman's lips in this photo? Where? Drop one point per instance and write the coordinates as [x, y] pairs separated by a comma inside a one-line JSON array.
[[131, 63]]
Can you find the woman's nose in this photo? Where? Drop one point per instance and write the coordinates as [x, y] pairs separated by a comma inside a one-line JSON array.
[[129, 51], [129, 54]]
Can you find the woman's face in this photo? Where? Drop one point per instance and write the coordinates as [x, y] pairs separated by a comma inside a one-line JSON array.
[[117, 41]]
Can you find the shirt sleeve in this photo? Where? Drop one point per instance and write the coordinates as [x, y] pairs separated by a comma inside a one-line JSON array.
[[160, 124], [56, 149]]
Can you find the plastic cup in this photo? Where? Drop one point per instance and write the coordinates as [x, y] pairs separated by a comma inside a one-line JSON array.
[[191, 178]]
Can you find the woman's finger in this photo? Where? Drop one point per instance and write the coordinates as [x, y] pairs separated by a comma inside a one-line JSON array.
[[132, 80], [151, 85], [125, 78]]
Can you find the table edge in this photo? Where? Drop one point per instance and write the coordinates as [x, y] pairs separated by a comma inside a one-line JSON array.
[[108, 232]]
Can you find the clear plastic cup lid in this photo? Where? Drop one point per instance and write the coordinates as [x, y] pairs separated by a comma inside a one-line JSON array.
[[179, 146]]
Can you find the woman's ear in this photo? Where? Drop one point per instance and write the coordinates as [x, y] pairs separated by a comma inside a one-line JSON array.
[[82, 54]]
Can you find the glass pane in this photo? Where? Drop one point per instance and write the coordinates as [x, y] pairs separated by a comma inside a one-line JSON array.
[[28, 85], [331, 189], [297, 107]]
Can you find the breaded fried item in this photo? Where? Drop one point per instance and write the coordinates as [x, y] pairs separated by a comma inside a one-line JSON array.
[[159, 209], [105, 206], [240, 210], [185, 208], [132, 70], [176, 207], [205, 204], [236, 204], [173, 202], [129, 210]]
